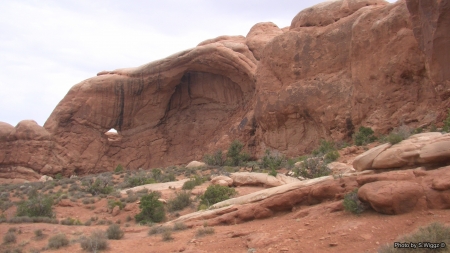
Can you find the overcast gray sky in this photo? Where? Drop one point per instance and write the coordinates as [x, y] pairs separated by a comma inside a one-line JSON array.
[[48, 46]]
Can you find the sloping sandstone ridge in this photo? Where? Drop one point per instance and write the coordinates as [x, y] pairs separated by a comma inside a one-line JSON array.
[[340, 64]]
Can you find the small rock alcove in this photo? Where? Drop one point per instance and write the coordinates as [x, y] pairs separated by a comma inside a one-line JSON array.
[[112, 135]]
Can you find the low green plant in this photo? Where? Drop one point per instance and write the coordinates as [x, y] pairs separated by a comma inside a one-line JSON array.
[[100, 185], [353, 204], [114, 232], [138, 179], [193, 182], [446, 127], [216, 159], [181, 200], [235, 154], [57, 241], [118, 169], [71, 222], [152, 210], [271, 160], [58, 176], [154, 230], [313, 167], [9, 237], [215, 194], [179, 226], [112, 203], [96, 241], [399, 134], [435, 233], [204, 231], [36, 206], [365, 135], [167, 235], [38, 233]]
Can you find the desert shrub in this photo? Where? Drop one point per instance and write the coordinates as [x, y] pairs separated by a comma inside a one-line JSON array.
[[399, 134], [235, 155], [353, 204], [158, 230], [204, 231], [179, 226], [71, 221], [331, 156], [313, 167], [181, 200], [118, 169], [97, 241], [215, 194], [271, 160], [9, 237], [324, 148], [364, 136], [114, 232], [36, 206], [273, 172], [112, 203], [26, 219], [5, 205], [193, 182], [57, 241], [434, 233], [100, 185], [216, 159], [139, 178], [38, 233], [446, 127], [167, 236], [58, 176], [152, 210]]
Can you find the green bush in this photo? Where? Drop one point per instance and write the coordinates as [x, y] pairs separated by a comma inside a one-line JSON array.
[[433, 233], [114, 232], [118, 169], [97, 186], [36, 206], [152, 210], [215, 194], [112, 203], [97, 241], [58, 241], [271, 161], [324, 148], [364, 136], [314, 167], [446, 127], [353, 204], [139, 179], [331, 156], [235, 155], [181, 200], [216, 159], [193, 182], [71, 221]]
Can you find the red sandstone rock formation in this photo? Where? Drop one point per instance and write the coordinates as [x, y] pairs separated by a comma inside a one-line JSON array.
[[340, 65]]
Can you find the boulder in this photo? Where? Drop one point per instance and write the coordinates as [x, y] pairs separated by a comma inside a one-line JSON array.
[[419, 149], [45, 178], [340, 168], [222, 180], [389, 197], [195, 164], [260, 179]]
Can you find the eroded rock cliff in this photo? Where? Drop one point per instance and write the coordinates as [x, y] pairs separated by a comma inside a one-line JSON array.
[[341, 64]]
